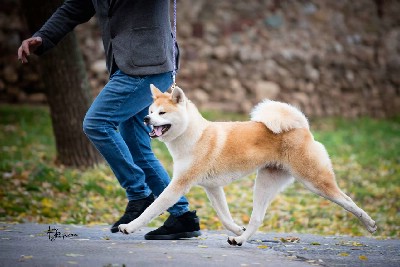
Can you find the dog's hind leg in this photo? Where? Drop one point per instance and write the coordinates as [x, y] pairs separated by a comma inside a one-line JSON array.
[[313, 169], [269, 182], [218, 200]]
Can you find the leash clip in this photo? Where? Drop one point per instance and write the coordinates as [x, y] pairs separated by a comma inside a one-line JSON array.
[[173, 82]]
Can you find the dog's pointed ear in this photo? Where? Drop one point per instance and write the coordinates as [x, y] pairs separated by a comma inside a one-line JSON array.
[[177, 95], [155, 92]]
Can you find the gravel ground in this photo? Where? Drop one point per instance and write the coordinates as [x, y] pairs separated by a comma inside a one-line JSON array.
[[76, 245]]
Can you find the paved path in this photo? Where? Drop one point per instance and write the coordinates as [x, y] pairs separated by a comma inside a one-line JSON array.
[[30, 245]]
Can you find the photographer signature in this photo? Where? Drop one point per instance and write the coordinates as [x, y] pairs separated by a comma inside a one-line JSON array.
[[54, 233]]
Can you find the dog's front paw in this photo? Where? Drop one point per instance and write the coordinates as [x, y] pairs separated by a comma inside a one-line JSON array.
[[124, 228], [235, 241], [372, 227]]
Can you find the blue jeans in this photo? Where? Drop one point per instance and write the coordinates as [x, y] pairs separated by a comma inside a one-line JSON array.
[[114, 124]]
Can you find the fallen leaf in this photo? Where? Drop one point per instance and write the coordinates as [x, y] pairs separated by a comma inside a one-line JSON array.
[[290, 239], [262, 246], [74, 255], [245, 218], [358, 244], [363, 257], [315, 244], [24, 258], [344, 254], [202, 246], [293, 239], [351, 244]]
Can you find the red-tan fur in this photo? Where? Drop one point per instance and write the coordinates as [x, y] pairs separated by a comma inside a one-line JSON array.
[[277, 143]]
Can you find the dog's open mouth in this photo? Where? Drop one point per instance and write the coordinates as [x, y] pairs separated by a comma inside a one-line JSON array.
[[159, 130]]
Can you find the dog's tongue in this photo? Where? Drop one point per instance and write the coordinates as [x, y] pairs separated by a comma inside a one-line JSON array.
[[158, 130]]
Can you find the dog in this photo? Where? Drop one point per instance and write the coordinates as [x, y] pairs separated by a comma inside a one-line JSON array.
[[276, 143]]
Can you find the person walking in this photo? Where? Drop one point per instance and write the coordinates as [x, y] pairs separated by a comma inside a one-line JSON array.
[[139, 46]]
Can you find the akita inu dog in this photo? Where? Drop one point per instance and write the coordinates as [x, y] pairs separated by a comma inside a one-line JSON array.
[[277, 143]]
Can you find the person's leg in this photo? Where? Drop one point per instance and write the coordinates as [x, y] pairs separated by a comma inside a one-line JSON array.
[[121, 98], [136, 136]]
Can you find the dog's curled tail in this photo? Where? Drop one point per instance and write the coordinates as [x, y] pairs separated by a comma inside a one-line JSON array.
[[279, 117]]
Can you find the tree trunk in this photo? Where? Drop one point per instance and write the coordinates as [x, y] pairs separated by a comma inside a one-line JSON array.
[[67, 89]]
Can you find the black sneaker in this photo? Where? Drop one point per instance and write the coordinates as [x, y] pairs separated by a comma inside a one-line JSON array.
[[185, 226], [132, 211]]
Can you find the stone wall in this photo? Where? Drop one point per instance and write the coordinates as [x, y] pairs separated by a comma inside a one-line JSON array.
[[17, 83], [327, 57]]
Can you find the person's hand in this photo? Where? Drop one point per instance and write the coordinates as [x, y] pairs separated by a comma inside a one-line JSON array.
[[28, 46]]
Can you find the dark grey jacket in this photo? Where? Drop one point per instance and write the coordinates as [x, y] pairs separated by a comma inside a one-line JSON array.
[[136, 34]]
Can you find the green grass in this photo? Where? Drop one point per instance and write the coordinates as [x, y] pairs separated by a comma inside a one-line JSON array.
[[365, 155]]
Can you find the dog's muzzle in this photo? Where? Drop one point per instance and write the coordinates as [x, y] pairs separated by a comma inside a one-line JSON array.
[[156, 131]]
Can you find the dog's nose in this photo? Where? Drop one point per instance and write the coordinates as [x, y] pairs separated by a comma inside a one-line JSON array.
[[146, 119]]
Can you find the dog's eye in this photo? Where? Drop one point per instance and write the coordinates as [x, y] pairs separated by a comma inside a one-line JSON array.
[[161, 113]]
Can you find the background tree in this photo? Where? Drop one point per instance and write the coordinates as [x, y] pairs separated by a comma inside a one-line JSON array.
[[67, 89]]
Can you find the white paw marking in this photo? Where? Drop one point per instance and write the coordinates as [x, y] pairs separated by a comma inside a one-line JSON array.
[[123, 228], [235, 241]]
